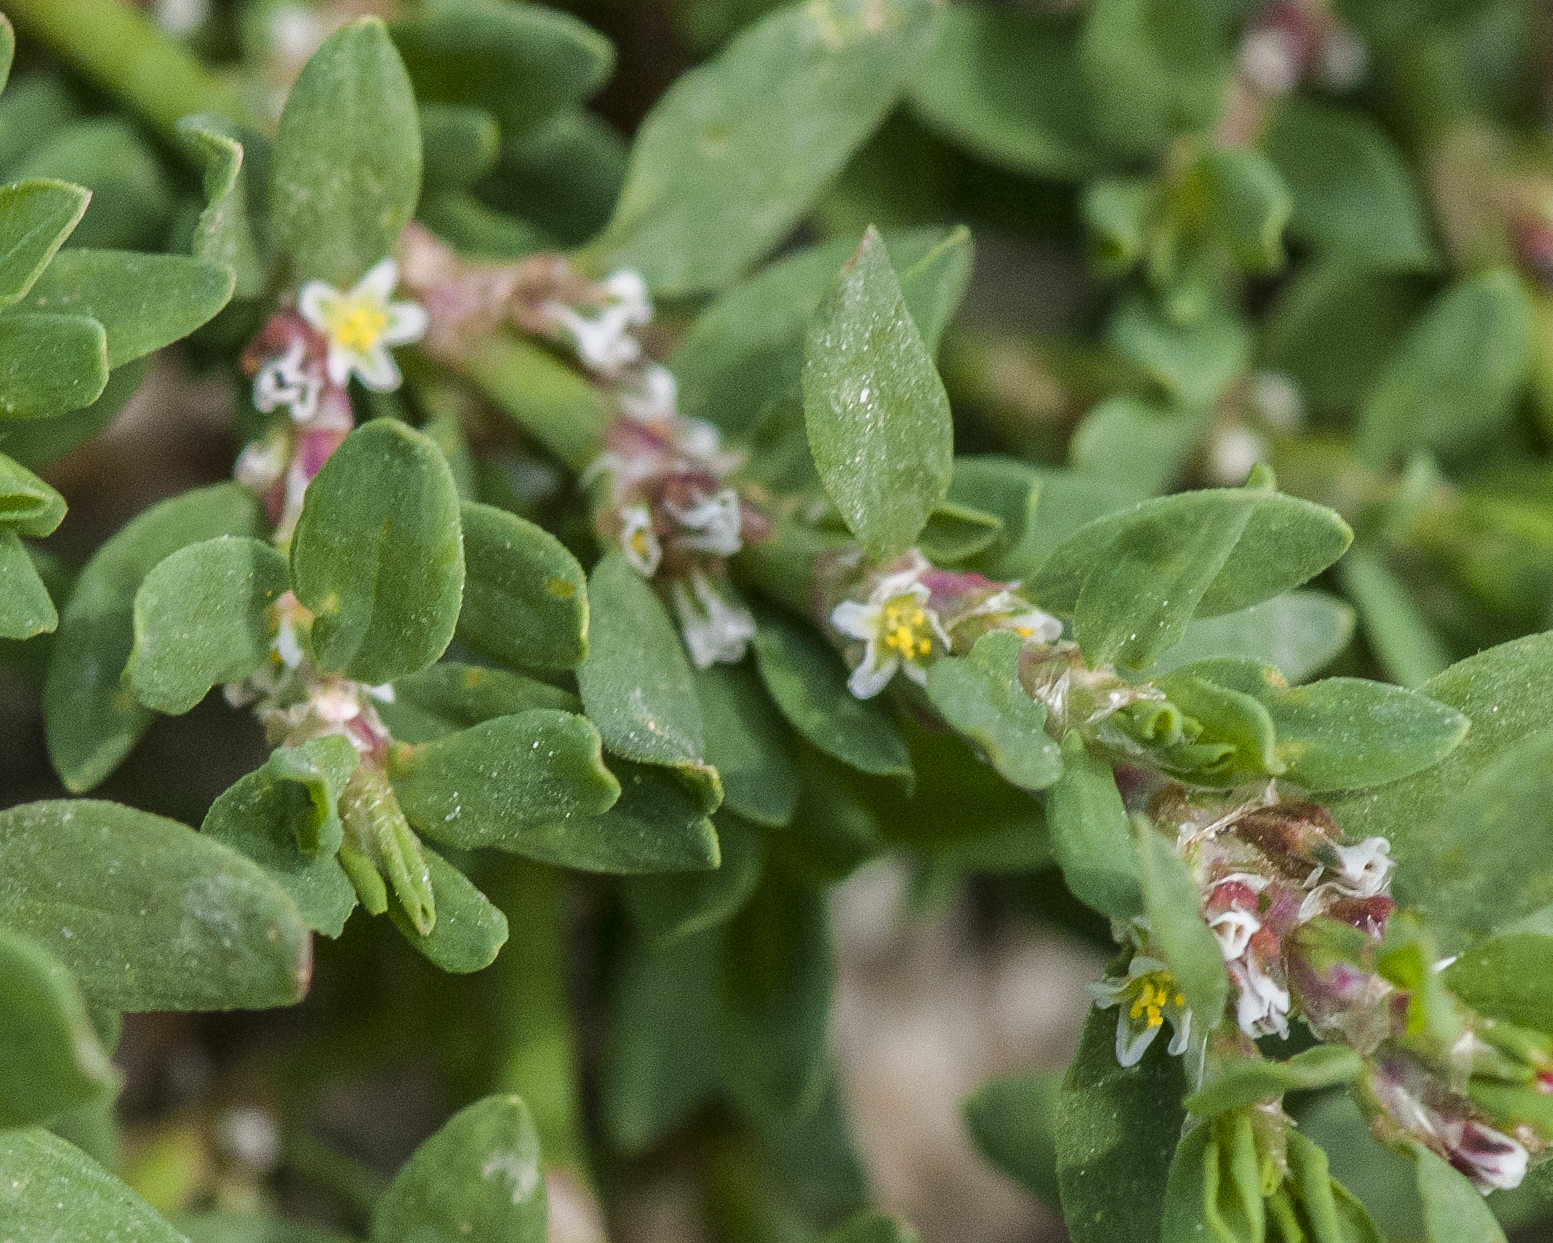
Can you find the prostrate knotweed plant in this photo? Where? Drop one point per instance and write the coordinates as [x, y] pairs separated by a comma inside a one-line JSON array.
[[475, 347]]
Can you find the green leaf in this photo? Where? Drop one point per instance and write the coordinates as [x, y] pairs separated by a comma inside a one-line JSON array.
[[1353, 196], [1214, 1190], [1403, 642], [1454, 1212], [1138, 442], [459, 144], [1458, 373], [636, 681], [748, 743], [525, 596], [50, 1057], [56, 1192], [91, 720], [36, 217], [1238, 741], [1091, 838], [1014, 1124], [28, 506], [1154, 68], [778, 973], [876, 411], [223, 235], [1006, 85], [7, 49], [1334, 1214], [520, 63], [661, 824], [285, 818], [1193, 362], [378, 554], [666, 909], [735, 151], [1248, 206], [479, 1177], [980, 696], [1297, 633], [1176, 928], [1286, 541], [1506, 978], [450, 696], [37, 442], [231, 1227], [540, 771], [142, 301], [1507, 693], [955, 533], [661, 1058], [202, 617], [50, 364], [1117, 1129], [347, 166], [25, 607], [872, 1228], [809, 684], [1246, 1081], [469, 932], [149, 914], [1343, 733], [108, 155]]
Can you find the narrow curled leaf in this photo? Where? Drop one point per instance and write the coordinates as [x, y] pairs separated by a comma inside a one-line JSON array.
[[1171, 901], [470, 931], [876, 411], [202, 617], [1249, 1080], [223, 234], [1091, 838], [28, 506], [378, 554]]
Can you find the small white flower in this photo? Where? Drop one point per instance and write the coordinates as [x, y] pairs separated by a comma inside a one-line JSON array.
[[898, 629], [362, 324], [638, 541], [717, 630], [1262, 1007], [653, 397], [1147, 995], [284, 381], [715, 523], [604, 342], [1490, 1158], [1270, 57], [1365, 870], [261, 463], [1234, 929]]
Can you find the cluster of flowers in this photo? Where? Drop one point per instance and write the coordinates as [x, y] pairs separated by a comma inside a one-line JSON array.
[[301, 362], [663, 482], [1300, 916], [1286, 44]]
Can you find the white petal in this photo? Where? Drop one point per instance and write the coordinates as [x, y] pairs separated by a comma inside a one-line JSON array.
[[915, 672], [379, 283], [376, 369], [868, 679], [1132, 1044], [407, 322], [315, 302], [856, 621]]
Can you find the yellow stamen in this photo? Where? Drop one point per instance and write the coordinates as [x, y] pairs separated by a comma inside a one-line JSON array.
[[1155, 992], [900, 626], [357, 325]]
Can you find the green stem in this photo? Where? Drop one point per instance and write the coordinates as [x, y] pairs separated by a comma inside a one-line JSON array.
[[121, 49], [540, 1062], [541, 394]]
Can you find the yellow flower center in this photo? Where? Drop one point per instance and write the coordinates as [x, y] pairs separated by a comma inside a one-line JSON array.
[[357, 325], [639, 544], [1156, 990], [903, 628]]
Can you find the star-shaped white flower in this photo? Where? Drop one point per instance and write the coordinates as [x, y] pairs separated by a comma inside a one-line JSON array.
[[287, 381], [362, 325], [1147, 995], [898, 629], [717, 629]]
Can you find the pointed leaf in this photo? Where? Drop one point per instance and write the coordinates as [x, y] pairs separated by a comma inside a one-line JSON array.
[[347, 165], [36, 216], [27, 504], [877, 416], [142, 301], [748, 743], [25, 607], [223, 235], [1454, 1212], [66, 1195]]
